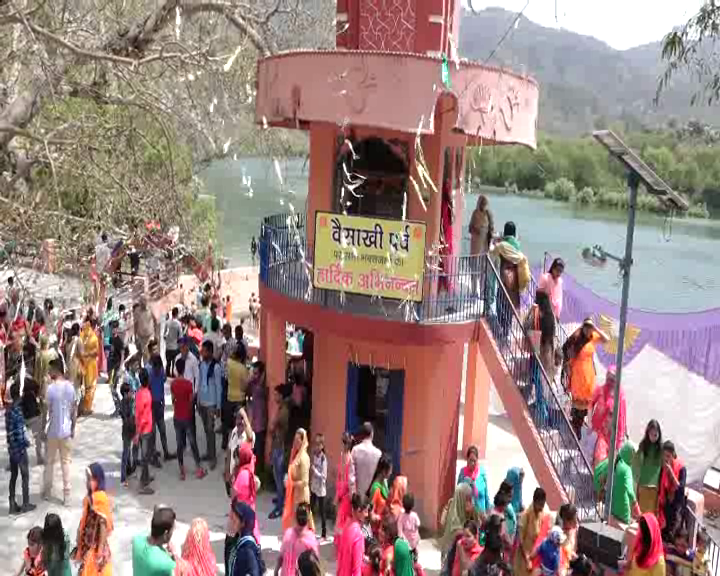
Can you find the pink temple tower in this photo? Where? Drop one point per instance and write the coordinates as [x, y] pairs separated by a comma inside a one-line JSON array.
[[384, 107]]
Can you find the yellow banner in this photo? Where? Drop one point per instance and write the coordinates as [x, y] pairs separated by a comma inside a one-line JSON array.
[[373, 256]]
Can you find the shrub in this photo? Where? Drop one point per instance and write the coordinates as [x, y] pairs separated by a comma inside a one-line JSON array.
[[649, 203], [698, 211], [585, 196], [564, 189]]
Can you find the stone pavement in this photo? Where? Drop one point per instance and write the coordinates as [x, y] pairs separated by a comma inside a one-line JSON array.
[[98, 440]]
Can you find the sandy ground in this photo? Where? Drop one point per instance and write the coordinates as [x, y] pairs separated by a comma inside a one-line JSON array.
[[98, 440]]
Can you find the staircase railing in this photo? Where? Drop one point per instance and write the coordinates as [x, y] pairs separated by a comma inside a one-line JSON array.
[[543, 399]]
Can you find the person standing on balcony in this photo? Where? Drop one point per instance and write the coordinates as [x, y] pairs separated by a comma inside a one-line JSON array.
[[482, 230], [447, 251], [552, 284], [514, 272], [579, 353]]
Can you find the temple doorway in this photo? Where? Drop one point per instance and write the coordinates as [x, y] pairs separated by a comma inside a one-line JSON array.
[[371, 177], [376, 395]]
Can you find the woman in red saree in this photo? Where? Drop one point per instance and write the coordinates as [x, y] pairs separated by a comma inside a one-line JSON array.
[[198, 558], [96, 525], [465, 550], [244, 487], [342, 491], [602, 406]]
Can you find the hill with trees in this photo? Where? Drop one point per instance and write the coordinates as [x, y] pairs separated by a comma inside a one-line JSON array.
[[580, 170], [584, 83]]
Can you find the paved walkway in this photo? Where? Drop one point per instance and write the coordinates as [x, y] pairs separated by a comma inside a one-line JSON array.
[[98, 439]]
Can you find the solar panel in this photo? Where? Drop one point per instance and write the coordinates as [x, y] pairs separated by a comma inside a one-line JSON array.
[[653, 183]]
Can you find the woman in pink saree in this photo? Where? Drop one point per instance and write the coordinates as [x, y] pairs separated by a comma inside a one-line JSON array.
[[602, 406], [351, 547], [244, 486], [342, 491]]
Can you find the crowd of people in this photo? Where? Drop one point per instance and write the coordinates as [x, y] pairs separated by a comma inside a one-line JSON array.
[[376, 530], [649, 482]]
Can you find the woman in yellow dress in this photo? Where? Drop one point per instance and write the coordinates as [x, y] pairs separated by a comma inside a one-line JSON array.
[[533, 527], [96, 524], [90, 347], [297, 487], [648, 558]]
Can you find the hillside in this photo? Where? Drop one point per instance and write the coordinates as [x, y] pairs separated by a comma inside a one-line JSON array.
[[584, 83]]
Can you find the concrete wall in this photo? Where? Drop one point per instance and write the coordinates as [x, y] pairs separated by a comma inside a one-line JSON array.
[[430, 411]]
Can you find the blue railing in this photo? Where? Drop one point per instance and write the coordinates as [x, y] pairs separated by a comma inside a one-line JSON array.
[[464, 289], [545, 402], [452, 292]]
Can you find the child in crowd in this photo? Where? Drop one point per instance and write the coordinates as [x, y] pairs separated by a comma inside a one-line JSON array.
[[32, 559], [549, 553], [681, 560], [126, 410], [409, 524], [371, 567], [366, 528], [701, 565], [318, 480]]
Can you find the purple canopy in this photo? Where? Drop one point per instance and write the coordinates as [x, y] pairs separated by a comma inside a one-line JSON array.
[[691, 339]]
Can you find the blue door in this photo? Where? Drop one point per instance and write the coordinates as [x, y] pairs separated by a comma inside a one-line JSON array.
[[380, 401]]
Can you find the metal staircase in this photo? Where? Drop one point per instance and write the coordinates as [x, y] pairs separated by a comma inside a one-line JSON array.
[[547, 404]]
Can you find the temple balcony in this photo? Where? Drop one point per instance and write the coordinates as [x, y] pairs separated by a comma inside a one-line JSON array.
[[286, 267]]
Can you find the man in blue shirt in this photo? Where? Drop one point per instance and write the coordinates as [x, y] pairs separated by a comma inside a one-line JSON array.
[[209, 398], [157, 389], [17, 445]]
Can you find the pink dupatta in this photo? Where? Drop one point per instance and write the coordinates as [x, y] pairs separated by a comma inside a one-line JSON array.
[[603, 404], [293, 545]]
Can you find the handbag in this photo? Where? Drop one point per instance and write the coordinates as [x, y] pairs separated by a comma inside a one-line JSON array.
[[532, 342]]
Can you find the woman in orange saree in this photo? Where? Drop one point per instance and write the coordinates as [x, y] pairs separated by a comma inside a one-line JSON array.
[[297, 487], [90, 348], [96, 525]]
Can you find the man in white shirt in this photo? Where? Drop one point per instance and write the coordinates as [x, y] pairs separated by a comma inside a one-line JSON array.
[[62, 412], [173, 331], [192, 373], [365, 457], [102, 254], [216, 337], [242, 432]]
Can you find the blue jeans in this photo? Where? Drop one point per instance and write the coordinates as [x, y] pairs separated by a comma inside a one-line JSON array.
[[125, 460], [277, 457]]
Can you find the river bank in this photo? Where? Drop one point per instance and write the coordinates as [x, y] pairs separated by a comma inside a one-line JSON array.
[[563, 190]]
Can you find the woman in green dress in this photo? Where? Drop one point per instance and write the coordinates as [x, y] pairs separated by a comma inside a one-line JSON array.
[[647, 465]]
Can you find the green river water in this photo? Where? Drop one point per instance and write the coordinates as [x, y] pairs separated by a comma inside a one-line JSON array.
[[677, 264]]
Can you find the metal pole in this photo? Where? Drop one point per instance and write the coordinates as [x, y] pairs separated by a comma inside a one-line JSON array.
[[633, 183]]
